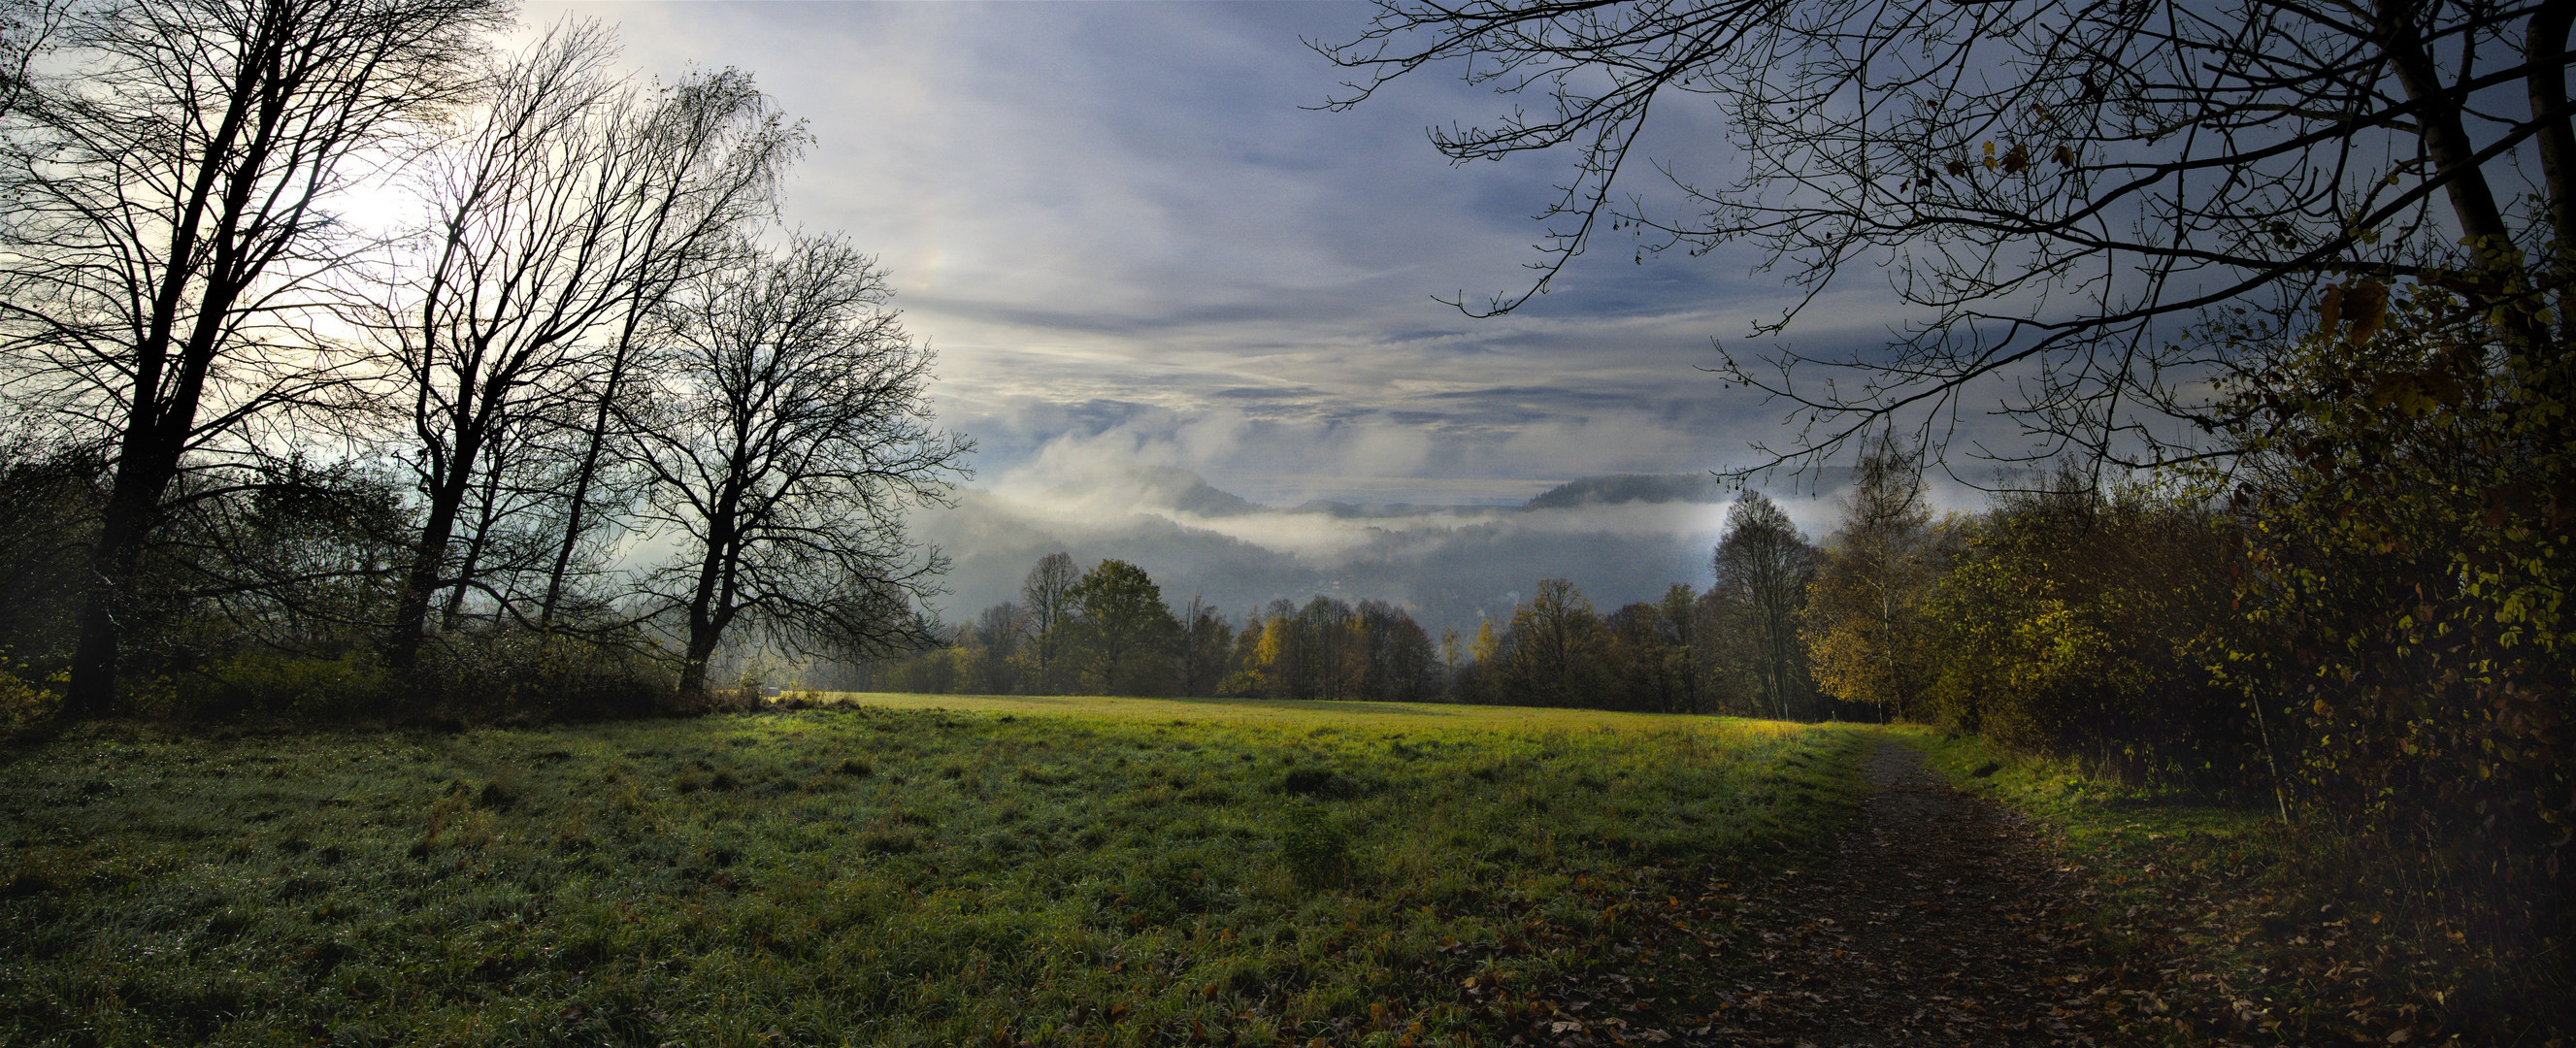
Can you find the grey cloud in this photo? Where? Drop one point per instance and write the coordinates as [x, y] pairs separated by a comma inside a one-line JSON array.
[[1125, 237], [1263, 392]]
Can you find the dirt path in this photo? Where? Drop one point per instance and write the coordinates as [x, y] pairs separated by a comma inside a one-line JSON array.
[[1939, 921]]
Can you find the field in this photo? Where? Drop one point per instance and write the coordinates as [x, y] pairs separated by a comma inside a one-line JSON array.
[[883, 870]]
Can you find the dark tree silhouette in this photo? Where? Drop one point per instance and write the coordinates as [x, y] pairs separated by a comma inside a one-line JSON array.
[[1206, 645], [2060, 190], [1048, 591], [167, 233], [1396, 659], [1552, 655], [28, 30], [1763, 568], [558, 223], [787, 436]]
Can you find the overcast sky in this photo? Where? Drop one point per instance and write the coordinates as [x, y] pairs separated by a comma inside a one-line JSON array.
[[1126, 238]]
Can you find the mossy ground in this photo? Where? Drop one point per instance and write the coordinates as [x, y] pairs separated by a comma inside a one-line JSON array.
[[874, 872]]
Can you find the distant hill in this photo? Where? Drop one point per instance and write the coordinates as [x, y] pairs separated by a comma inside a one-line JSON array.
[[1624, 488], [1618, 538], [1197, 497], [1146, 487], [1632, 487]]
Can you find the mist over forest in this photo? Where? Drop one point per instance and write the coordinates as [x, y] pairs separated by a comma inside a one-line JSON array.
[[1619, 539]]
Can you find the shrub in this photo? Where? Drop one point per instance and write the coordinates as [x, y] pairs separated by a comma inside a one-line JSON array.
[[2078, 623], [522, 675], [2413, 658], [26, 705], [283, 684]]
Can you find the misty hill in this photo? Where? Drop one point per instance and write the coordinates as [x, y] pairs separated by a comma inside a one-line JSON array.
[[1632, 487], [1621, 488], [1618, 539], [1357, 511]]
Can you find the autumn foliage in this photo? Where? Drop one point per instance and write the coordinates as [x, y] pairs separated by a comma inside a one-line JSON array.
[[2407, 583], [2356, 621]]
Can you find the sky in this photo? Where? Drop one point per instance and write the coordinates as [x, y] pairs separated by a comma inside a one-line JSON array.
[[1126, 233], [1135, 244]]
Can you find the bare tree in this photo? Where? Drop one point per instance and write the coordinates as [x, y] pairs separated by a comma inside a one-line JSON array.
[[1397, 661], [28, 30], [2062, 190], [1763, 568], [557, 223], [499, 520], [1206, 643], [1001, 629], [788, 437], [1552, 654], [167, 217], [711, 153], [1048, 595], [1324, 628]]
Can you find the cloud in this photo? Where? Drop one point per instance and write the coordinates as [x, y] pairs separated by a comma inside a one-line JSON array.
[[1142, 262], [1128, 208]]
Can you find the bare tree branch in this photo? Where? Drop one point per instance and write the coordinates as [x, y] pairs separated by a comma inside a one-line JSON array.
[[2074, 197]]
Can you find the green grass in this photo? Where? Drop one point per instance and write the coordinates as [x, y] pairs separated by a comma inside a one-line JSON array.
[[887, 870]]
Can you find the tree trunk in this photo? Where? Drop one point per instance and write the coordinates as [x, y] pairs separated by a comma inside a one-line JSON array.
[[2544, 45], [475, 544], [147, 459], [134, 499], [703, 636], [421, 580], [2447, 141], [709, 611], [583, 476]]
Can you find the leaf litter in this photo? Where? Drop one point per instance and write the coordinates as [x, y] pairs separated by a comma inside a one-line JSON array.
[[1937, 918]]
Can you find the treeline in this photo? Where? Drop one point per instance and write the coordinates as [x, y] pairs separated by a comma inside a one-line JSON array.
[[1731, 649], [1109, 631], [2065, 618], [581, 422]]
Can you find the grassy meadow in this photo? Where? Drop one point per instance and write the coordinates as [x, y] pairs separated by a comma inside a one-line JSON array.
[[882, 870]]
